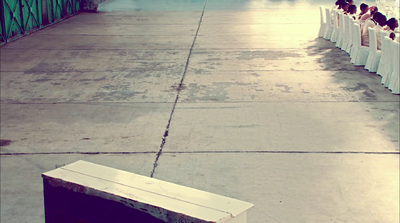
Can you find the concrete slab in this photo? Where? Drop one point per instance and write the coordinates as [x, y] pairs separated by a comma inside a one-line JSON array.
[[89, 87], [291, 15], [253, 42], [155, 5], [91, 60], [255, 5], [94, 128], [205, 85], [118, 29], [259, 29], [90, 42], [139, 18], [279, 126], [294, 188], [21, 181], [267, 59]]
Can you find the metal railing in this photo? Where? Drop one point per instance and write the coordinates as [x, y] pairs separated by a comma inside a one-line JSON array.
[[21, 17]]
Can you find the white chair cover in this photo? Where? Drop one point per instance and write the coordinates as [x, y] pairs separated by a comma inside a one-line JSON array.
[[388, 68], [394, 83], [335, 32], [354, 47], [322, 27], [349, 26], [339, 41], [345, 36], [329, 24], [359, 53], [384, 57], [374, 55]]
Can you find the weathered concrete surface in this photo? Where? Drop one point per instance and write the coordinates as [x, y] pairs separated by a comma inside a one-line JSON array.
[[279, 126], [155, 5], [241, 99], [295, 187], [84, 127]]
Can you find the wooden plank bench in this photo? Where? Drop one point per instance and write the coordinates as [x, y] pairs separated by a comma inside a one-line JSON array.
[[85, 192]]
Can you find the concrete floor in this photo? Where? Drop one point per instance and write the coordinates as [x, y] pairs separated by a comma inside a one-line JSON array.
[[240, 97]]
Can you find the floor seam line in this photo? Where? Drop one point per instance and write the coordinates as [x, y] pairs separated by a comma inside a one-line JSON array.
[[200, 152], [289, 152], [178, 93]]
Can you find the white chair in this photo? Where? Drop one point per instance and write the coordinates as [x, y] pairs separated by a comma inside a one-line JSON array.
[[394, 83], [353, 51], [347, 32], [339, 40], [343, 44], [359, 54], [335, 31], [374, 55], [329, 24], [349, 26], [385, 56], [388, 67], [322, 27]]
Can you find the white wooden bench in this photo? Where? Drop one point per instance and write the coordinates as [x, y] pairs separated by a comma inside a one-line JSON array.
[[76, 192]]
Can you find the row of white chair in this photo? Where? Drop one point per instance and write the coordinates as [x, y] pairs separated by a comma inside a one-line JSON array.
[[346, 33]]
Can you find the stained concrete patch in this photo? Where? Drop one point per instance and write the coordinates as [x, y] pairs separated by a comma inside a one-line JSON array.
[[262, 86], [78, 87], [388, 114], [284, 88], [91, 60], [265, 60], [5, 142], [366, 91], [212, 92]]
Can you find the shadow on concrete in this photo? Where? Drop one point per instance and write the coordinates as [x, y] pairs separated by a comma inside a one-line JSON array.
[[364, 87]]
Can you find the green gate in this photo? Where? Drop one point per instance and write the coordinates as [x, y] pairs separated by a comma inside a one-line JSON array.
[[61, 9], [20, 17]]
